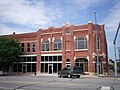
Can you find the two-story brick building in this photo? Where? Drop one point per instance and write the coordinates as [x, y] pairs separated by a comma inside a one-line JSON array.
[[49, 50]]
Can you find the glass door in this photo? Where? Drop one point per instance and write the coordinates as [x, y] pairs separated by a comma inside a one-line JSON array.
[[50, 68], [24, 68]]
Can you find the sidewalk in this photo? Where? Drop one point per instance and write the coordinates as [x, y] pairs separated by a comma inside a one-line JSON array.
[[112, 74], [82, 76]]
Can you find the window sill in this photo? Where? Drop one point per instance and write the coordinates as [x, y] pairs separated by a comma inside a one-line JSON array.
[[53, 51], [80, 49]]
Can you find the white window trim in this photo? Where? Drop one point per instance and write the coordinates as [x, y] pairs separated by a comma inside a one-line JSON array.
[[28, 55], [27, 41], [41, 40], [51, 54], [80, 49], [84, 43], [45, 47], [53, 51], [51, 62], [87, 37], [75, 38], [57, 45]]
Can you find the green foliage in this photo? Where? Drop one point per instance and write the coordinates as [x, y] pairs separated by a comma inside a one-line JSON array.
[[118, 64], [9, 51], [95, 74], [111, 67]]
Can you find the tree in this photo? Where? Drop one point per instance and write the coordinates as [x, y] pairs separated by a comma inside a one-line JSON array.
[[9, 52]]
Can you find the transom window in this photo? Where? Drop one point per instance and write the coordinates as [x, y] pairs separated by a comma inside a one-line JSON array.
[[51, 58], [57, 44], [45, 45], [81, 43]]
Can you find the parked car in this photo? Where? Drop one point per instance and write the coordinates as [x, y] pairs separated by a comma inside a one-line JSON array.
[[3, 73], [73, 71]]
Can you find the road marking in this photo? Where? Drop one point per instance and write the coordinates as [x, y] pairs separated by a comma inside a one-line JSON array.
[[48, 82], [5, 88], [25, 82]]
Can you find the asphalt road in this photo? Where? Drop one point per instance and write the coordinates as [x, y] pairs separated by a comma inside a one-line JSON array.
[[55, 83]]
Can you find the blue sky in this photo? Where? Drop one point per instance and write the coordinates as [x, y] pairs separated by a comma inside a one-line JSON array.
[[22, 16]]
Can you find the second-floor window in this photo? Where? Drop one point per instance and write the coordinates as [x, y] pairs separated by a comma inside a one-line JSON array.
[[57, 44], [33, 47], [45, 45], [98, 42], [81, 43], [28, 47], [22, 47]]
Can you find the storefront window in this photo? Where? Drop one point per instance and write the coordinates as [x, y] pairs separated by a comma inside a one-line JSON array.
[[53, 63]]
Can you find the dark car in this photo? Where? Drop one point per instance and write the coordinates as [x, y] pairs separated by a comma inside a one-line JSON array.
[[73, 71]]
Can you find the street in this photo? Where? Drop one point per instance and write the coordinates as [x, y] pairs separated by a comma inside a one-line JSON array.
[[50, 82]]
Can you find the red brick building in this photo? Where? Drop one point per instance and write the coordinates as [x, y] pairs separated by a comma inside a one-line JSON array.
[[49, 50]]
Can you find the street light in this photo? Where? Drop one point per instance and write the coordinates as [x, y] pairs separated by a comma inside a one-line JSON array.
[[97, 64]]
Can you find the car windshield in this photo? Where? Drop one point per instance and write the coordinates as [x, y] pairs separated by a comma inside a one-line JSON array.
[[77, 68]]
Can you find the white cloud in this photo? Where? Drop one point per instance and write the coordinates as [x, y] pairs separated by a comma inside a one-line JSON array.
[[18, 12], [30, 13], [83, 4], [5, 30], [35, 13], [113, 18]]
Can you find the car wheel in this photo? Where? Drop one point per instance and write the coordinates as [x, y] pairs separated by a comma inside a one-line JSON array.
[[59, 75], [69, 76], [78, 76]]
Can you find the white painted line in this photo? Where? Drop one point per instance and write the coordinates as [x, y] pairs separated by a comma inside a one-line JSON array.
[[6, 88]]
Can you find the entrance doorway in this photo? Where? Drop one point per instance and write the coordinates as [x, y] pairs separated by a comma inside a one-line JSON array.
[[83, 63], [100, 66], [50, 68]]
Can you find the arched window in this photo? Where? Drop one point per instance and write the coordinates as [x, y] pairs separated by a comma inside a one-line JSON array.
[[67, 31], [57, 44], [81, 43], [45, 45], [68, 63]]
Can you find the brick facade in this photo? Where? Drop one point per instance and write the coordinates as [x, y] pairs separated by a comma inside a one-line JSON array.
[[68, 51]]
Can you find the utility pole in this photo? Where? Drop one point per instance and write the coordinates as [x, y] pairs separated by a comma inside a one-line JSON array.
[[97, 63], [119, 52], [119, 57], [114, 42]]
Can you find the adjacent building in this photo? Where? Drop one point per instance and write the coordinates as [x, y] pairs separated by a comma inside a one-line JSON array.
[[49, 50]]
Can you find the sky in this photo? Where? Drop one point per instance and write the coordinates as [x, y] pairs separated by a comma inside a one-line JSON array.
[[23, 16]]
